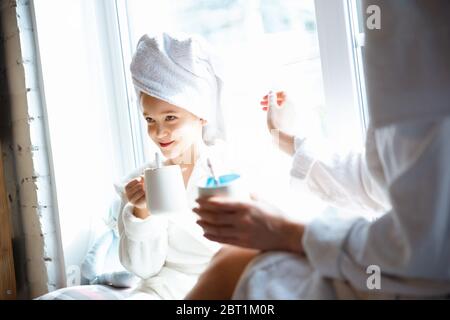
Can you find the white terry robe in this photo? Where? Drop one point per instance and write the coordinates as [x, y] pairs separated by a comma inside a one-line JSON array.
[[168, 252], [405, 173]]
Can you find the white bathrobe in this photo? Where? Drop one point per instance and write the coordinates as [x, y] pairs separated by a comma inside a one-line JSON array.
[[405, 173], [168, 252]]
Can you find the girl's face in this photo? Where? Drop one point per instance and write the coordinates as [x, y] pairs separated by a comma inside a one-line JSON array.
[[173, 129]]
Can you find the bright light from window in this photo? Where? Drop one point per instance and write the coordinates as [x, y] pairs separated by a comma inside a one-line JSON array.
[[78, 114]]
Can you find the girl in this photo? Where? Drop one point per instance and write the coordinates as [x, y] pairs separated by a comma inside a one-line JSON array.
[[179, 94]]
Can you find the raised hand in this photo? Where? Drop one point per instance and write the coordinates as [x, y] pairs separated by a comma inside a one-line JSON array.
[[280, 120], [280, 113]]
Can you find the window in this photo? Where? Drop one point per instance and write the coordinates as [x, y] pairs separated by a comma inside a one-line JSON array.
[[89, 126], [270, 44], [96, 130]]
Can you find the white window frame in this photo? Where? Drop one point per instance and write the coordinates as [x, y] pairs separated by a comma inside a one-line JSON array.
[[337, 44], [358, 51], [129, 133]]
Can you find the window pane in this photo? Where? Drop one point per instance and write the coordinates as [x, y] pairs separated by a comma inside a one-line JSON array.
[[78, 102]]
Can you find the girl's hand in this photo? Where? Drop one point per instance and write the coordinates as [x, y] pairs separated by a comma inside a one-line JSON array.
[[253, 224], [135, 193]]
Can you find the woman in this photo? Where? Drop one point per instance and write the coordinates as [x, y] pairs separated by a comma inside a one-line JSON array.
[[179, 94], [338, 257], [403, 174]]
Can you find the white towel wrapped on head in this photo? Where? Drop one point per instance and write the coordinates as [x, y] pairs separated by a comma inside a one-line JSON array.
[[179, 70]]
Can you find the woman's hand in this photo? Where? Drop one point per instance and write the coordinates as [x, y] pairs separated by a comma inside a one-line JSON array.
[[280, 121], [282, 115], [135, 194], [252, 224]]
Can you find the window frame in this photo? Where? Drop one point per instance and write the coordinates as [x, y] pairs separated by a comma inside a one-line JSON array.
[[337, 43], [358, 51], [131, 133]]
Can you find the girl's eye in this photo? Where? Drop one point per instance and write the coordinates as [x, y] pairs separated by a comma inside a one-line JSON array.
[[149, 120], [171, 118]]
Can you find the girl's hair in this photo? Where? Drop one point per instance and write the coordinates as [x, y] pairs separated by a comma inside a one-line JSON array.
[[181, 70]]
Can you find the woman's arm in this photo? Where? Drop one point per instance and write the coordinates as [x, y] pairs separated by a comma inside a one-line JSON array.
[[411, 239], [277, 122], [345, 179], [340, 178], [284, 141]]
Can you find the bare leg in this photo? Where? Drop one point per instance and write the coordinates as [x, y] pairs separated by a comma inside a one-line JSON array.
[[219, 280]]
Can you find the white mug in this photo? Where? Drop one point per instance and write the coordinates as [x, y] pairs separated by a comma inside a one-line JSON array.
[[164, 190], [230, 185]]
